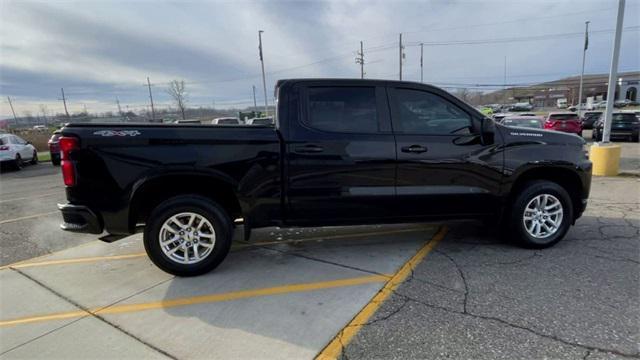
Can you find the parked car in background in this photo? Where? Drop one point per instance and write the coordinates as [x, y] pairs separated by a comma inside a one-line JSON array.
[[15, 151], [589, 118], [564, 121], [624, 125], [260, 121], [188, 121], [522, 106], [527, 114], [532, 122], [39, 127], [54, 147], [621, 103], [226, 121], [499, 116], [580, 107], [602, 104]]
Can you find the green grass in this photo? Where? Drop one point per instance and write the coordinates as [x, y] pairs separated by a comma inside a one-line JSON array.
[[44, 156]]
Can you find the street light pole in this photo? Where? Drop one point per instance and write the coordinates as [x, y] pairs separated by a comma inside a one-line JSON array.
[[613, 73], [584, 55], [264, 81]]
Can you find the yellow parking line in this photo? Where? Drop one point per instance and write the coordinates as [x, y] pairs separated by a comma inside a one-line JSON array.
[[211, 298], [29, 263], [335, 346], [28, 217], [32, 197]]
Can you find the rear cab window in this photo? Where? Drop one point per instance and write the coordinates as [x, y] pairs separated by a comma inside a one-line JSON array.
[[343, 109]]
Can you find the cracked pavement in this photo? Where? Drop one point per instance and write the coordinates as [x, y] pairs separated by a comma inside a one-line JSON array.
[[476, 297]]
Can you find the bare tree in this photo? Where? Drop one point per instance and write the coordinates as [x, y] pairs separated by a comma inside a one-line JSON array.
[[178, 92]]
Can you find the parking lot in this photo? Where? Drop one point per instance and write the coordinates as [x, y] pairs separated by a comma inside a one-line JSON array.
[[446, 290]]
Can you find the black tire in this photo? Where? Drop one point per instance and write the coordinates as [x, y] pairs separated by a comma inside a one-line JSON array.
[[202, 206], [17, 163], [55, 160], [34, 159], [528, 192]]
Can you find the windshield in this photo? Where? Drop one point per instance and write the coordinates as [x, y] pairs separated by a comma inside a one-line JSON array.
[[624, 118]]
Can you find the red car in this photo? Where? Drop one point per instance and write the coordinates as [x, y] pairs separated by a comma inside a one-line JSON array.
[[566, 122], [54, 147]]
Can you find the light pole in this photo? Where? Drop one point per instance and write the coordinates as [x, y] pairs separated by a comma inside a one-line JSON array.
[[584, 55], [264, 81], [613, 73], [605, 156]]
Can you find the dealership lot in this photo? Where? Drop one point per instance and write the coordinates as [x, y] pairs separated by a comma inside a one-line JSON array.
[[290, 293]]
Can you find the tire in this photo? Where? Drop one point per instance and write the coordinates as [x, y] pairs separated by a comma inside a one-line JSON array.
[[526, 200], [218, 224], [34, 159], [55, 160], [17, 163]]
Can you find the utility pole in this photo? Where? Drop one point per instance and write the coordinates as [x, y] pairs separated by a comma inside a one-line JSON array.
[[401, 55], [360, 60], [64, 101], [613, 73], [119, 108], [14, 113], [153, 111], [255, 104], [421, 59], [264, 80], [584, 54]]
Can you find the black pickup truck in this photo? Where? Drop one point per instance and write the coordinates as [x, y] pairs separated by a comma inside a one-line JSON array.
[[341, 152]]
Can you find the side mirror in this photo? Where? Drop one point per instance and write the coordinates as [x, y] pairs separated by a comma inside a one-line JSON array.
[[487, 131]]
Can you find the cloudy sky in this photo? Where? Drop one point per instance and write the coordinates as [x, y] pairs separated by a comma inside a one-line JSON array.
[[100, 50]]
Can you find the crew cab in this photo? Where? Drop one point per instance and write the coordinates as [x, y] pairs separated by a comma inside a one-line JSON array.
[[340, 152]]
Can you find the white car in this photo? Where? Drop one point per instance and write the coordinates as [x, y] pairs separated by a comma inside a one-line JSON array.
[[16, 151], [226, 121]]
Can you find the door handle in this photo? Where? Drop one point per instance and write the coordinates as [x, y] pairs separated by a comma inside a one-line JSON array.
[[309, 149], [414, 149]]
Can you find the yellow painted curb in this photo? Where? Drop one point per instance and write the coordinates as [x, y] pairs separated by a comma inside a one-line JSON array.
[[605, 159]]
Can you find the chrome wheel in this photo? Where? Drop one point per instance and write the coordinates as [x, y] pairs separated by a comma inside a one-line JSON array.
[[542, 216], [187, 238]]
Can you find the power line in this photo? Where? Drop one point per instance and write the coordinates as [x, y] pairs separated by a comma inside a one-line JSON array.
[[12, 111]]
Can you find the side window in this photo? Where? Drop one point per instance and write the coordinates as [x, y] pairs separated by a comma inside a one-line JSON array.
[[19, 141], [421, 112], [343, 109]]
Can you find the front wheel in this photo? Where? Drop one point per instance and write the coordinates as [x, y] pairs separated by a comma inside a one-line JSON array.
[[541, 215], [188, 235], [34, 158]]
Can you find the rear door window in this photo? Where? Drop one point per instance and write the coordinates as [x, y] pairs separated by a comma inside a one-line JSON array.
[[343, 109]]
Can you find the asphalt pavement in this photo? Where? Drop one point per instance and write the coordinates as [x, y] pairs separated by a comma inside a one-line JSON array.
[[478, 298]]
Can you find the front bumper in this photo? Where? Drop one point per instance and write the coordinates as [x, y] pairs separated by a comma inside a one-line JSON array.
[[78, 218]]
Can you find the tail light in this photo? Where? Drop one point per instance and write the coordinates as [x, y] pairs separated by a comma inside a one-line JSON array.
[[68, 144], [4, 148]]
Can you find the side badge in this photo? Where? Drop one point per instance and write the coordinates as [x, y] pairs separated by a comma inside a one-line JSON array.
[[117, 133]]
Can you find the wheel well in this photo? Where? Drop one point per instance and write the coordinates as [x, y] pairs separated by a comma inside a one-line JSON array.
[[566, 178], [155, 191]]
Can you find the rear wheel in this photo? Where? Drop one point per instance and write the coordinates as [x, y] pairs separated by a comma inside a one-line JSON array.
[[541, 214], [34, 159], [17, 163], [188, 235]]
